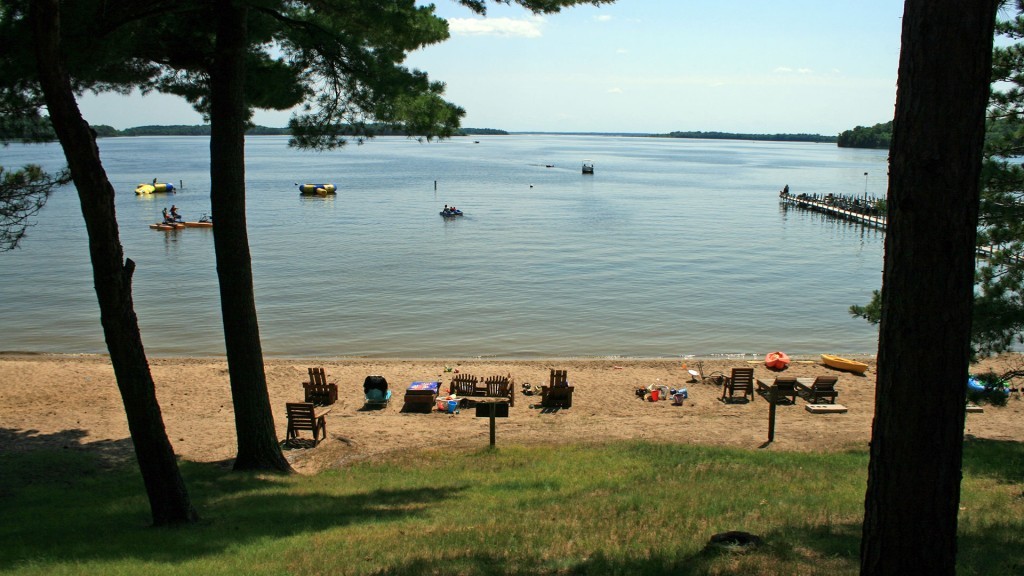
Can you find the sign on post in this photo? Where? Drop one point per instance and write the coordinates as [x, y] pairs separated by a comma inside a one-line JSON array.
[[492, 410]]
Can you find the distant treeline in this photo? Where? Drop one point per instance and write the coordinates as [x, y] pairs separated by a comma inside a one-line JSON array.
[[732, 136], [877, 136], [39, 129]]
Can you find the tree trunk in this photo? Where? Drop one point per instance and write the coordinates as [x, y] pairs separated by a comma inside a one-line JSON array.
[[168, 497], [254, 422], [913, 493]]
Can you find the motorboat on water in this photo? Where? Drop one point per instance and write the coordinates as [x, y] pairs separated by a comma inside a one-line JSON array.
[[588, 167]]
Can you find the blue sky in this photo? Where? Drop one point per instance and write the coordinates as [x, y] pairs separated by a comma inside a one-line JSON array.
[[749, 66]]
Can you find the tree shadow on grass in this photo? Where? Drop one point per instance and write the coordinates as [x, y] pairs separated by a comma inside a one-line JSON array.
[[78, 505], [999, 459], [816, 551]]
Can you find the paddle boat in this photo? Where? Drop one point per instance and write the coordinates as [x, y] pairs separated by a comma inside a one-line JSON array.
[[840, 363], [776, 360], [317, 189], [450, 212], [155, 188]]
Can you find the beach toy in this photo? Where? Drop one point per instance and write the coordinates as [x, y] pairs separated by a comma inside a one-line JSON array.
[[655, 394], [453, 406]]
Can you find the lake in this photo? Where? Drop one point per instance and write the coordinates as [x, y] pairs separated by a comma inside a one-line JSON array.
[[672, 248]]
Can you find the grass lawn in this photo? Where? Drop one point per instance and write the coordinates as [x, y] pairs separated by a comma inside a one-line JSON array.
[[618, 508]]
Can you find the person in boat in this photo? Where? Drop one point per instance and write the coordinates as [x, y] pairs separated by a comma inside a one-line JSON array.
[[174, 214], [167, 217]]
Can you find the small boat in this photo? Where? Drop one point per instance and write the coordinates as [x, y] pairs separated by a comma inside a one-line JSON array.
[[841, 363], [450, 213], [317, 189], [776, 360], [155, 188], [199, 224], [167, 225], [588, 167]]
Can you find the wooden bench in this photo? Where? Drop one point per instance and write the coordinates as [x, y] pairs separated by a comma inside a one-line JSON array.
[[304, 416], [318, 390]]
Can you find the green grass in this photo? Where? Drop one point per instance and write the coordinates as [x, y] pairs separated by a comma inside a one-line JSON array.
[[621, 508]]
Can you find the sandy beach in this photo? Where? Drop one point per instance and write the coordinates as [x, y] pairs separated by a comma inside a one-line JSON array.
[[72, 402]]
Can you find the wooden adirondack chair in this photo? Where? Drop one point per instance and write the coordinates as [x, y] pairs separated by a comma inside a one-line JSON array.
[[558, 393], [784, 390], [303, 416], [463, 385], [318, 390], [740, 382], [501, 387], [822, 390]]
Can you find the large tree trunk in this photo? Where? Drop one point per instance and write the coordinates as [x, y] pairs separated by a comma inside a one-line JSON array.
[[168, 498], [254, 422], [913, 493]]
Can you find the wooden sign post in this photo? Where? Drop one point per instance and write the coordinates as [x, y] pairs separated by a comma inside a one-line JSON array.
[[492, 410]]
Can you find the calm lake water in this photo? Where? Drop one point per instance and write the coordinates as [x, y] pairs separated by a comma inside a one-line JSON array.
[[672, 248]]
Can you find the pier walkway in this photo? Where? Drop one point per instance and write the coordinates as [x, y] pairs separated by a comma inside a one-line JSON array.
[[826, 206]]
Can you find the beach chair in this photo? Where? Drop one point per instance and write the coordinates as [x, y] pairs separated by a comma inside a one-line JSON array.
[[821, 390], [741, 382], [781, 391], [375, 392], [463, 385], [558, 392], [304, 416], [318, 390], [501, 387]]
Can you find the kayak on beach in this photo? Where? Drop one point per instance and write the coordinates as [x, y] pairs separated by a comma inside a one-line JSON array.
[[840, 363]]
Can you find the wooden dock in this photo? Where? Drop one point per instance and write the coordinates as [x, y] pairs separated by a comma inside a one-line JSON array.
[[830, 208], [826, 207]]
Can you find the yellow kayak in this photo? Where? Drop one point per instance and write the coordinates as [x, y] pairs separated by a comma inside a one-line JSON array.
[[840, 363]]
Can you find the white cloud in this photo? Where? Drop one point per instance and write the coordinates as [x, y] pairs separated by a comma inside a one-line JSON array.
[[788, 70], [622, 51], [524, 28], [615, 90], [603, 18]]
